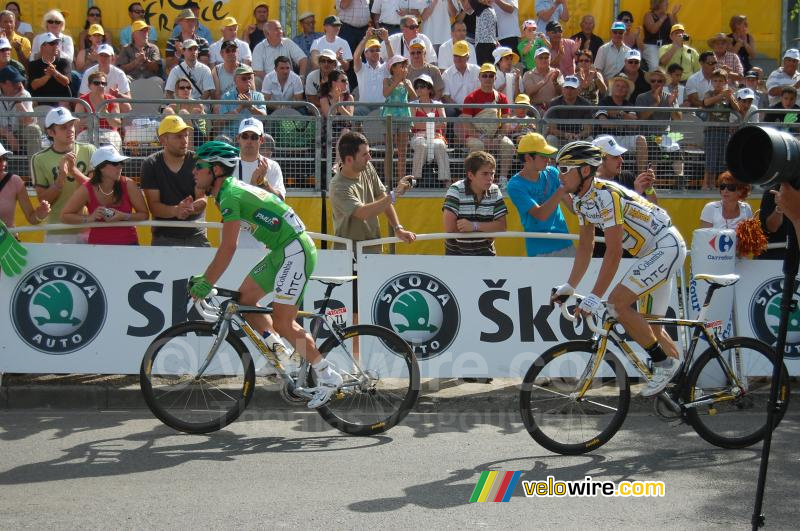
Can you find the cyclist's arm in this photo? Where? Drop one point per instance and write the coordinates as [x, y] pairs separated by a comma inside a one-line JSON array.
[[583, 254], [224, 255], [611, 259]]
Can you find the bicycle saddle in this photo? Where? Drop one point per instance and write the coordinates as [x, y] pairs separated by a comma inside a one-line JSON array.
[[334, 281], [719, 280]]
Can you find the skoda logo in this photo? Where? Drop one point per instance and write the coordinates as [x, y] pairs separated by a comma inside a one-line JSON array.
[[421, 309], [58, 308], [765, 315]]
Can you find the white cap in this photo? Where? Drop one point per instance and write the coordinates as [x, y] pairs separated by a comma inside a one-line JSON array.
[[541, 50], [633, 54], [530, 23], [328, 53], [4, 43], [417, 41], [424, 77], [608, 145], [4, 151], [105, 49], [745, 94], [49, 37], [251, 124], [500, 52], [58, 116], [792, 53], [107, 153], [572, 81]]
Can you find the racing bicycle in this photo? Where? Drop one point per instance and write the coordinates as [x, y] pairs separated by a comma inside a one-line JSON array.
[[198, 376], [576, 395]]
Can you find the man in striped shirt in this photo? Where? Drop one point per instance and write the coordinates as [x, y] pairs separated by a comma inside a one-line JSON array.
[[474, 204]]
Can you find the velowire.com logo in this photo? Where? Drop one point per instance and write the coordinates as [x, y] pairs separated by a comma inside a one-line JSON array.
[[421, 309], [765, 316], [58, 308]]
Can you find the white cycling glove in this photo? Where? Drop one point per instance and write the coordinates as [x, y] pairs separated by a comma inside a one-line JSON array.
[[563, 292], [591, 304]]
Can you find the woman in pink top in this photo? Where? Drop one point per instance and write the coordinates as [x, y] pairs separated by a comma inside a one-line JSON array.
[[12, 191], [109, 197]]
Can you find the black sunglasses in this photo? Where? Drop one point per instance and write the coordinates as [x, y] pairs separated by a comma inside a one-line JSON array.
[[250, 136], [728, 186], [100, 83]]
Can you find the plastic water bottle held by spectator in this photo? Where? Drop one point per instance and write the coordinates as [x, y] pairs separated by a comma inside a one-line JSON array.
[[430, 133]]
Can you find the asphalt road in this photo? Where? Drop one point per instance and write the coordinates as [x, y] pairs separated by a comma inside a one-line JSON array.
[[118, 469]]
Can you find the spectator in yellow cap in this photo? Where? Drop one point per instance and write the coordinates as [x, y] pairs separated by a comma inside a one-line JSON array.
[[537, 194], [679, 52], [523, 122], [169, 187], [136, 13], [230, 28], [87, 56], [461, 78], [141, 58], [94, 17]]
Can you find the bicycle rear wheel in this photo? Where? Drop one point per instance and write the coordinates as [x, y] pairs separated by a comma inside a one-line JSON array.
[[379, 389], [189, 402], [555, 417], [734, 419]]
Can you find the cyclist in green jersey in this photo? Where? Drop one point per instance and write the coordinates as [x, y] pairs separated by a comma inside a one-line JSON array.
[[285, 270]]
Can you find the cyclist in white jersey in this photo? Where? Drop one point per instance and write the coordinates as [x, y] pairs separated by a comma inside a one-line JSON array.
[[631, 222]]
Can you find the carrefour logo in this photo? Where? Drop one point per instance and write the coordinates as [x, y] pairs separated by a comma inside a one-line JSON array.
[[765, 316], [58, 308], [421, 309], [721, 243]]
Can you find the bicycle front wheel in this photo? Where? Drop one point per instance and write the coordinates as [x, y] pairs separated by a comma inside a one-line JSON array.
[[552, 412], [734, 417], [179, 395], [381, 380]]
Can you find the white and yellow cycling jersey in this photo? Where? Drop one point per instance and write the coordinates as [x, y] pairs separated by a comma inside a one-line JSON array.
[[607, 204]]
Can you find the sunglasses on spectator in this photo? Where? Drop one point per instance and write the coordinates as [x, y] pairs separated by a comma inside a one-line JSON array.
[[100, 83], [633, 62], [111, 163], [93, 15], [202, 165], [138, 11], [567, 169], [728, 186], [184, 87], [487, 75], [618, 32], [230, 49], [325, 60], [415, 26], [55, 21], [250, 136], [658, 81]]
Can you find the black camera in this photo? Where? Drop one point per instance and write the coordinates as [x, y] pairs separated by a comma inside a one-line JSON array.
[[686, 37], [763, 155]]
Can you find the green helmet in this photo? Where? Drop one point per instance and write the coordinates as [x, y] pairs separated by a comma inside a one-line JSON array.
[[579, 153], [219, 152]]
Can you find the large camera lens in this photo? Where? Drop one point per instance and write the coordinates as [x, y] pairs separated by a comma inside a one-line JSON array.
[[763, 155]]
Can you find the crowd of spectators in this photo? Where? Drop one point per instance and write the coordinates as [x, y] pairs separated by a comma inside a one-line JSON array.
[[378, 57]]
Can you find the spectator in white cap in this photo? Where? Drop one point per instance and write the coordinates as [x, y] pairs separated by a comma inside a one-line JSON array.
[[327, 64], [444, 54], [401, 42], [752, 81], [633, 70], [428, 140], [562, 50], [370, 73], [507, 80], [229, 30], [544, 82], [747, 106], [53, 24], [331, 41], [5, 57], [611, 56], [18, 127], [619, 123], [551, 11], [786, 75], [50, 74], [118, 85], [282, 84], [531, 40], [308, 34], [58, 170], [611, 168], [568, 106], [192, 69], [418, 66], [109, 197]]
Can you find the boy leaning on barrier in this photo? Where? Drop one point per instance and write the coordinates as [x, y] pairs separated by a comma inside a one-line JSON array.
[[629, 222]]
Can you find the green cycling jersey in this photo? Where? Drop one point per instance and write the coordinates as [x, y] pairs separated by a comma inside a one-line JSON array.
[[272, 222]]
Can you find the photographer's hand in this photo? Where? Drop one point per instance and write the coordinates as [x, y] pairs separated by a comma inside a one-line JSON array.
[[787, 199]]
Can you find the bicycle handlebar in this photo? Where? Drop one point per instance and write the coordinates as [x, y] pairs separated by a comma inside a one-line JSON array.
[[206, 310], [590, 322]]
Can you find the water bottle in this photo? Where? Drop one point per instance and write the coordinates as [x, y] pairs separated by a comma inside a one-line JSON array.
[[275, 344]]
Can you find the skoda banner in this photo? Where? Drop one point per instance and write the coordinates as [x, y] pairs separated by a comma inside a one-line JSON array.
[[95, 309], [472, 316]]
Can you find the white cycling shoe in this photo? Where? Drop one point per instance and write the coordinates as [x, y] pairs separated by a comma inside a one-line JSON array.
[[662, 374], [328, 382]]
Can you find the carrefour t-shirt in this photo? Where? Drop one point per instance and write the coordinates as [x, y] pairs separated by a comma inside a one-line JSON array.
[[272, 222], [526, 194]]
